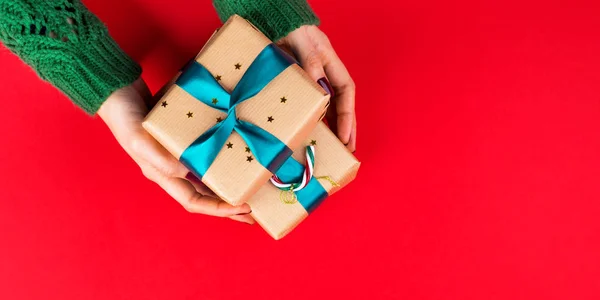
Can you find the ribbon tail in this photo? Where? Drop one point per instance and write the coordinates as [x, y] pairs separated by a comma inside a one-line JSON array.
[[204, 150], [312, 195], [267, 149]]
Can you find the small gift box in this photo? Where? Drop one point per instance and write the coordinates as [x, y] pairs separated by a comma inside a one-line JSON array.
[[318, 169], [236, 111]]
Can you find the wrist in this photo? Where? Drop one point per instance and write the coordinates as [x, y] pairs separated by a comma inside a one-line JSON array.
[[124, 100], [275, 18]]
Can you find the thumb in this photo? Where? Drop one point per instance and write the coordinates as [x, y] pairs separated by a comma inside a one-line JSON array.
[[305, 51]]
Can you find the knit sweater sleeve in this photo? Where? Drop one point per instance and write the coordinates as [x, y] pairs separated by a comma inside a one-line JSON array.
[[67, 46], [276, 18]]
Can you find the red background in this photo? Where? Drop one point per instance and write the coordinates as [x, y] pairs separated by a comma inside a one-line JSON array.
[[479, 134]]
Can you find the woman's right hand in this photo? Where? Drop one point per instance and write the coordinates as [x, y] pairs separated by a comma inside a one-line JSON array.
[[124, 112], [313, 49]]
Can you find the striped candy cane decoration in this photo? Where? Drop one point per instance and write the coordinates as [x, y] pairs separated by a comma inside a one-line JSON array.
[[309, 168]]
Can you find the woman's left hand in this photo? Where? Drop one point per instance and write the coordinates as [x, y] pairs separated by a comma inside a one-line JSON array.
[[316, 55]]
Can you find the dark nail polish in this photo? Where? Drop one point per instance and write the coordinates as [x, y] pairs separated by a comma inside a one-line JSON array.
[[324, 83]]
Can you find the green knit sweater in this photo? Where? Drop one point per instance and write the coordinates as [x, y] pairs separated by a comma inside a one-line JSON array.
[[69, 47]]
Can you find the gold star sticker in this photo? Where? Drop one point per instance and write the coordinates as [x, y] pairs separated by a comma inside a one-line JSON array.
[[248, 149], [164, 104], [218, 78], [249, 158], [215, 100], [190, 114], [313, 142], [283, 99], [238, 66], [270, 119], [219, 119], [229, 145]]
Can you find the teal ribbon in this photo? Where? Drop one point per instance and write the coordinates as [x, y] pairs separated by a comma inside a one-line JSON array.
[[311, 196], [201, 84]]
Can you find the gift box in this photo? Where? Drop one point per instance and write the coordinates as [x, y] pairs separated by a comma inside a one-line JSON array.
[[236, 111], [328, 166]]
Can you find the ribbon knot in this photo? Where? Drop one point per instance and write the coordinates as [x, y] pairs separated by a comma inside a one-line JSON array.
[[196, 80]]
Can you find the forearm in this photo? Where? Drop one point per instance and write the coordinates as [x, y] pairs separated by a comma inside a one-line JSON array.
[[275, 18], [67, 46]]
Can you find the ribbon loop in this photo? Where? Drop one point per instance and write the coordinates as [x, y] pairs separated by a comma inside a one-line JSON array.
[[197, 81]]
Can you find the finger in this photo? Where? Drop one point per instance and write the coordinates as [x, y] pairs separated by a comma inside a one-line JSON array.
[[332, 122], [185, 193], [243, 218], [344, 100], [309, 58], [200, 186], [352, 143], [153, 153]]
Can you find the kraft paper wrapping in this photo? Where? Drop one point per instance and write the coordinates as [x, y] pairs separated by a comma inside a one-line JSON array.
[[332, 159], [294, 101]]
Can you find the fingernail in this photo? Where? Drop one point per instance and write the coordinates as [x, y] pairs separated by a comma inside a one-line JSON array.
[[324, 83], [245, 207]]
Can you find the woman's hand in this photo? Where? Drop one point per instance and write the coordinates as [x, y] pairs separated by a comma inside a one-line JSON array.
[[124, 112], [316, 55]]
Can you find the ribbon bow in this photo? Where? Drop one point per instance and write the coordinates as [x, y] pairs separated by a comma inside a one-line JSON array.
[[196, 80]]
